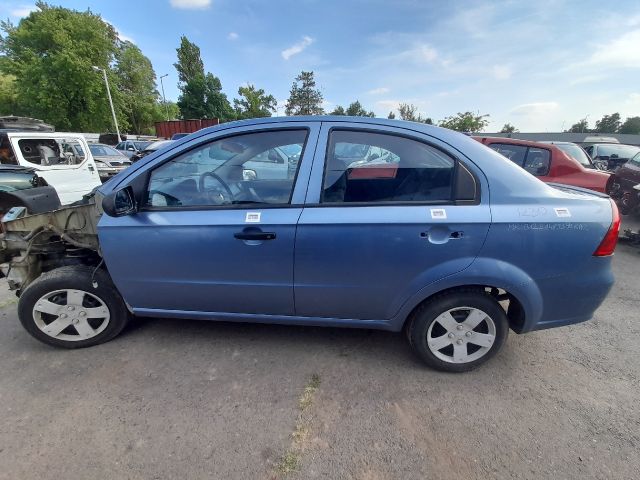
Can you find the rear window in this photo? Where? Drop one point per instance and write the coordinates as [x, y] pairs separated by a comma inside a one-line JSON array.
[[515, 153], [622, 151], [536, 161], [575, 152]]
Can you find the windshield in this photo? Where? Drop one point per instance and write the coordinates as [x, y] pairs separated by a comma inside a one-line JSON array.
[[622, 151], [157, 145], [141, 145], [104, 151], [577, 153]]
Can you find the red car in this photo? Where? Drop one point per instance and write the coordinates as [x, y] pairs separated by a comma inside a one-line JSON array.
[[548, 162]]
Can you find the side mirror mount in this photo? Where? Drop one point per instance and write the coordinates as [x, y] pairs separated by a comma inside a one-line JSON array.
[[120, 203]]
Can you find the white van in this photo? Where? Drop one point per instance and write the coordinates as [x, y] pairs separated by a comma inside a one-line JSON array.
[[62, 159]]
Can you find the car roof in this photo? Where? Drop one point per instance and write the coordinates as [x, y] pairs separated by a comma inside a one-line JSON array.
[[511, 141]]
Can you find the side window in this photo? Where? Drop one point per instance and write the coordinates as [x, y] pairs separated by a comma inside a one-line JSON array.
[[515, 153], [538, 161], [120, 146], [6, 152], [51, 152], [231, 171], [376, 167]]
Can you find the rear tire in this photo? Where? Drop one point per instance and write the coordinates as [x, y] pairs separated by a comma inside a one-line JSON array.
[[458, 331], [71, 307]]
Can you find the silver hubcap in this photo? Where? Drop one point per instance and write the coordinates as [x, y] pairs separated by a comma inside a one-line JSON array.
[[461, 335], [71, 315]]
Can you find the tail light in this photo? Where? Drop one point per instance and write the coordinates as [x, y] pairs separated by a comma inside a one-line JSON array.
[[610, 240]]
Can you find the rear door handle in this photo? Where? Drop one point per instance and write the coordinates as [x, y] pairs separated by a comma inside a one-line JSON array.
[[255, 235]]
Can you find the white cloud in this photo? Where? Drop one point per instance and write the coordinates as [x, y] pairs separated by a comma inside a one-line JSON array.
[[233, 36], [389, 104], [22, 11], [378, 91], [502, 72], [536, 108], [621, 52], [297, 48], [191, 4], [426, 53], [634, 99]]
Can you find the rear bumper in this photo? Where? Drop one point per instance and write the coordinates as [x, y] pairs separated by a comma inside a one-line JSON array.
[[573, 297]]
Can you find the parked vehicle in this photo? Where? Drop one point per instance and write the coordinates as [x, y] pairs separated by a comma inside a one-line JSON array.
[[109, 161], [151, 148], [610, 156], [22, 187], [21, 124], [622, 186], [62, 159], [448, 240], [131, 147], [549, 162]]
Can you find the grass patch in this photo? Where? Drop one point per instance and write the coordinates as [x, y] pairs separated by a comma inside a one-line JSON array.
[[290, 461]]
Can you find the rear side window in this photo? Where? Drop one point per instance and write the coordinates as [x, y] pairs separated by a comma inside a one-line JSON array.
[[52, 151], [366, 167], [515, 153], [536, 161]]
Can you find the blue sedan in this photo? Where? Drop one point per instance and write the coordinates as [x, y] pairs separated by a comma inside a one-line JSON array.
[[334, 221]]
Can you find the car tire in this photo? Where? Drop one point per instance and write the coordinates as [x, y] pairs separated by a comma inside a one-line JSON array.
[[458, 331], [74, 306]]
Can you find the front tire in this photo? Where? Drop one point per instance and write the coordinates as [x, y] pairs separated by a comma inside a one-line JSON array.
[[458, 331], [71, 307]]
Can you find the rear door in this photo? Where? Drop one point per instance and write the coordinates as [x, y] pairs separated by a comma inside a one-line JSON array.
[[380, 221]]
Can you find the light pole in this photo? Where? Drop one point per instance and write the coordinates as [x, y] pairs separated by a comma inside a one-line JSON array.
[[113, 112], [163, 97]]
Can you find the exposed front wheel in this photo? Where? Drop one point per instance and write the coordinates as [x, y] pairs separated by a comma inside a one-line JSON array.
[[458, 331], [71, 307]]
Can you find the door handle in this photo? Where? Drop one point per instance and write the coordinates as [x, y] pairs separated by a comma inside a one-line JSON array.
[[255, 235]]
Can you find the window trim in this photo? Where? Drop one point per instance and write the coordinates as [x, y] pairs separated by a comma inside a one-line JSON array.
[[451, 201], [254, 206]]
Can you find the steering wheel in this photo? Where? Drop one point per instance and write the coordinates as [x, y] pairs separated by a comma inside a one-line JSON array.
[[229, 194]]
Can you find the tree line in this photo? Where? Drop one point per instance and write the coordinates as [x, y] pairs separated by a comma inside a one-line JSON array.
[[46, 71]]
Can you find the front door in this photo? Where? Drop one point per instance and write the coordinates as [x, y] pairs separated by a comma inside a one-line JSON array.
[[380, 223], [214, 236]]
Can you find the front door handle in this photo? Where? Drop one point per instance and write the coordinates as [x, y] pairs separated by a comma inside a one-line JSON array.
[[255, 235]]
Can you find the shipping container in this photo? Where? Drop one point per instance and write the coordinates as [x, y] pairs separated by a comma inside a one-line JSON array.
[[168, 128]]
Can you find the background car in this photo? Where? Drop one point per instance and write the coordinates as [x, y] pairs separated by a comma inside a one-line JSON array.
[[610, 156], [549, 162], [150, 148], [622, 186], [132, 147], [22, 187], [109, 161]]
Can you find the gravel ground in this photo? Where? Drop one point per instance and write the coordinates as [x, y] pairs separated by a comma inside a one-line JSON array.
[[188, 399]]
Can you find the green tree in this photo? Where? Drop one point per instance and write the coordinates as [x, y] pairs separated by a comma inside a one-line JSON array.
[[465, 122], [8, 95], [608, 123], [189, 65], [254, 103], [304, 98], [137, 88], [409, 112], [162, 111], [391, 116], [201, 94], [202, 97], [630, 125], [355, 109], [50, 53], [508, 128], [580, 127]]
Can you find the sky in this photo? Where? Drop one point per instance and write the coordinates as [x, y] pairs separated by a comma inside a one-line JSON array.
[[540, 65]]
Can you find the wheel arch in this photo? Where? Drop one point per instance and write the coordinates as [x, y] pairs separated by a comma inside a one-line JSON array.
[[504, 281]]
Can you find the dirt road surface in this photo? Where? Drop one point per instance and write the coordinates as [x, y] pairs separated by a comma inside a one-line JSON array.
[[196, 400]]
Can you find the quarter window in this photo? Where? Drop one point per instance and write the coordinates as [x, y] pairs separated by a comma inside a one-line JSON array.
[[365, 167], [536, 161], [250, 169]]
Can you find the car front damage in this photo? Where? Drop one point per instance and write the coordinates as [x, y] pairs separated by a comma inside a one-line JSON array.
[[34, 244]]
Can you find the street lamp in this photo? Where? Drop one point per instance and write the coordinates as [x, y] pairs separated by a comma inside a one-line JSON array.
[[113, 112], [163, 97]]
